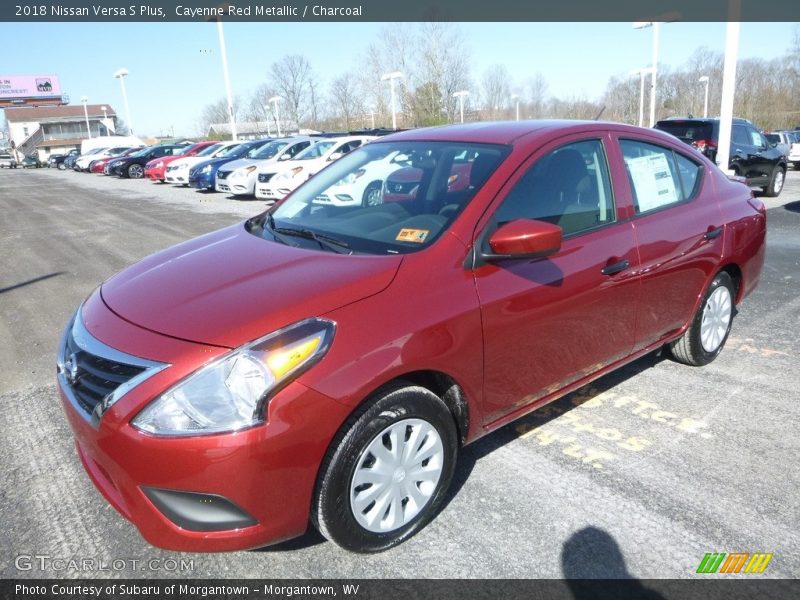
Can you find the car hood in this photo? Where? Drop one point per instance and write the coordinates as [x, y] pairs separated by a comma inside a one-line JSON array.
[[188, 161], [240, 162], [230, 287]]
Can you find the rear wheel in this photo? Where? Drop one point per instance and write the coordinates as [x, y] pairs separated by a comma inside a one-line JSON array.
[[62, 166], [135, 171], [704, 339], [387, 471], [775, 182]]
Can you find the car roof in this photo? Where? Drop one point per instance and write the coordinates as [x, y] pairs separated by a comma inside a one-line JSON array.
[[509, 132]]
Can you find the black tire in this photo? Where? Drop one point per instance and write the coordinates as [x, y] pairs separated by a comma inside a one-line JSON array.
[[372, 195], [689, 348], [135, 171], [332, 512], [62, 166], [776, 181]]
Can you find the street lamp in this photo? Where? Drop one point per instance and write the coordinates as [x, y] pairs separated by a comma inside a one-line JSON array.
[[641, 73], [121, 74], [391, 77], [227, 79], [516, 97], [656, 25], [461, 95], [704, 79], [84, 100], [275, 100]]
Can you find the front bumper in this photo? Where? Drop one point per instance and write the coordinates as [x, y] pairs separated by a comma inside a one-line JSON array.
[[155, 174], [266, 473], [202, 181]]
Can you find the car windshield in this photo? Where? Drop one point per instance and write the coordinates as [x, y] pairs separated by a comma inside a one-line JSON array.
[[250, 150], [209, 150], [142, 152], [269, 150], [232, 151], [384, 198], [95, 151], [773, 138], [315, 151]]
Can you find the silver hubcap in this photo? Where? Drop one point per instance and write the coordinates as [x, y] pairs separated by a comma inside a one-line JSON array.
[[135, 171], [778, 181], [716, 318], [374, 196], [396, 475]]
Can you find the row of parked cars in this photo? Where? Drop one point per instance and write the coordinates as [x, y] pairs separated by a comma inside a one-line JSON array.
[[267, 169]]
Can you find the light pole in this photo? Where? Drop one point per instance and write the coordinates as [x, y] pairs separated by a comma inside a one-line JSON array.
[[84, 100], [656, 25], [516, 97], [105, 118], [461, 95], [391, 77], [275, 100], [641, 73], [227, 79], [121, 74], [704, 79]]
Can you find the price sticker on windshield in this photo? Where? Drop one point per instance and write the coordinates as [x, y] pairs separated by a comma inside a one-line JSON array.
[[416, 236]]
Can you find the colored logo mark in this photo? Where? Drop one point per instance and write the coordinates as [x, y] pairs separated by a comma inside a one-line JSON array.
[[736, 562]]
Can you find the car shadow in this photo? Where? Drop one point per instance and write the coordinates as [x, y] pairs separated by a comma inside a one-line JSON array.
[[309, 539], [793, 206], [591, 554], [471, 454]]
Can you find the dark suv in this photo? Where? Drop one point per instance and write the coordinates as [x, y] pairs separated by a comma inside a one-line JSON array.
[[752, 156]]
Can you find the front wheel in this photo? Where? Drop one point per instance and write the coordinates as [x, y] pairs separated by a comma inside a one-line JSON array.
[[704, 339], [372, 195], [135, 171], [775, 182], [387, 471]]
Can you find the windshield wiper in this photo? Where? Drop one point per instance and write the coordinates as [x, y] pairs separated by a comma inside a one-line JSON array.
[[325, 241]]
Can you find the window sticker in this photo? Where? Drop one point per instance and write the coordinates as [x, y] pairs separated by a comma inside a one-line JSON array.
[[653, 181], [412, 235]]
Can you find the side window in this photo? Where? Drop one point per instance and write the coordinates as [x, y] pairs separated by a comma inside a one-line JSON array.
[[756, 139], [569, 187], [297, 148], [739, 135], [658, 176]]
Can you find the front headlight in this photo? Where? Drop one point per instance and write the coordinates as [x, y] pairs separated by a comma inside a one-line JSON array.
[[243, 172], [231, 393], [159, 164], [207, 169]]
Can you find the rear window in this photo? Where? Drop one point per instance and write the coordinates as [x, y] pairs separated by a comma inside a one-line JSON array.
[[688, 131]]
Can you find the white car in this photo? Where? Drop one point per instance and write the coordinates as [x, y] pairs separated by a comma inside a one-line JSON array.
[[279, 180], [239, 177], [7, 161], [178, 170], [82, 162], [364, 187]]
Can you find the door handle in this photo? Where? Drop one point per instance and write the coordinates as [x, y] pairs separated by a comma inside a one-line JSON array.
[[615, 267], [712, 233]]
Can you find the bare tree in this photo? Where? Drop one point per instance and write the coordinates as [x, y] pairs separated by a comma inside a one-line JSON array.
[[291, 77], [496, 88], [345, 99], [216, 113]]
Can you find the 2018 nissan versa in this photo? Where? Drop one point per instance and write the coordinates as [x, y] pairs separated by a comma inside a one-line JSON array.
[[324, 364]]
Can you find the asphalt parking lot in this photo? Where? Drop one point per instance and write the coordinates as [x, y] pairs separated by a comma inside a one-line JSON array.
[[638, 475]]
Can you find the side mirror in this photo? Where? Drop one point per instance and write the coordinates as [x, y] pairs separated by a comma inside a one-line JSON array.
[[524, 238], [335, 156], [284, 157]]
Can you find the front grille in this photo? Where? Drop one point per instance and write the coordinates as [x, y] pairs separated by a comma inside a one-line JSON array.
[[223, 174], [265, 177], [95, 377]]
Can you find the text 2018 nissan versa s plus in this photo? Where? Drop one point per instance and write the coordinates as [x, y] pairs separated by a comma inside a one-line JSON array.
[[324, 363]]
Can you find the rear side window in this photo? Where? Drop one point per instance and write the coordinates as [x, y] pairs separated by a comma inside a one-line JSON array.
[[659, 177], [688, 131]]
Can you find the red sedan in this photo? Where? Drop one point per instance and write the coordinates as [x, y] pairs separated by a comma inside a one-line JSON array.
[[156, 169], [323, 364], [97, 166]]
